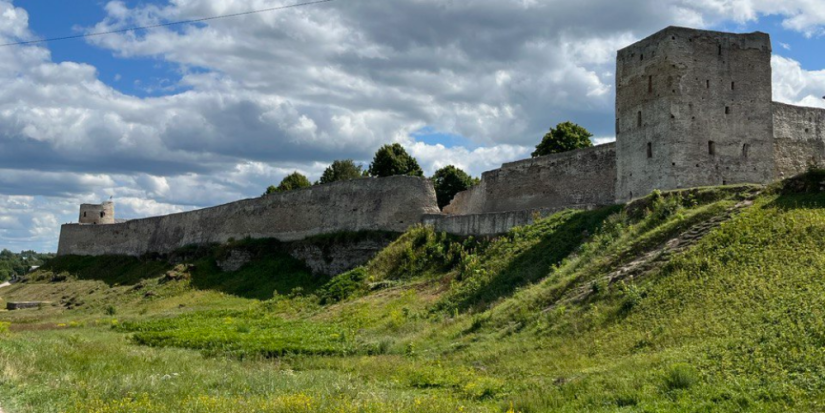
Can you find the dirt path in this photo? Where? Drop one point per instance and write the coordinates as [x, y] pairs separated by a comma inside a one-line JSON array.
[[5, 284]]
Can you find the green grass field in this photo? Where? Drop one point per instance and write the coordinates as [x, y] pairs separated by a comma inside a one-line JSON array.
[[708, 300]]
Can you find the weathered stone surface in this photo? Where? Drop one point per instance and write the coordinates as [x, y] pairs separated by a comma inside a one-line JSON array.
[[235, 261], [97, 214], [493, 223], [566, 180], [22, 305], [799, 137], [693, 109], [338, 257], [386, 204]]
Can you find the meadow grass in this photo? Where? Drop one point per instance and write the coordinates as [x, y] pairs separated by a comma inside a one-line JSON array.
[[526, 322]]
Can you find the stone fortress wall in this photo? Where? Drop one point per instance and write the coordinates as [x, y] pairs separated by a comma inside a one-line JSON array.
[[693, 108], [799, 139], [97, 213], [572, 179], [387, 204]]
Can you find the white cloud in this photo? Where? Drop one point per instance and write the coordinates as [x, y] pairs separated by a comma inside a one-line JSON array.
[[794, 85]]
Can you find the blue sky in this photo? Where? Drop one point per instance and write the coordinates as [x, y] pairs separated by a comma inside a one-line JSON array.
[[135, 76], [195, 116]]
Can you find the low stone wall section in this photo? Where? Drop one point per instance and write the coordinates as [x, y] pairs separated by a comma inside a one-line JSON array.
[[387, 204], [566, 180], [490, 224], [799, 139]]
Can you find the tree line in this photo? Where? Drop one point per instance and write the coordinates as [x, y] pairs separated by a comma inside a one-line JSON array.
[[393, 160], [12, 264]]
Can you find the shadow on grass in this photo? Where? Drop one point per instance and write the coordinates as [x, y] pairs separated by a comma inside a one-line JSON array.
[[799, 201], [271, 270], [556, 243], [113, 270]]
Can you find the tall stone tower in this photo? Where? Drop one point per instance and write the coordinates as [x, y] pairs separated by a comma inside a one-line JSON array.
[[693, 108], [97, 213]]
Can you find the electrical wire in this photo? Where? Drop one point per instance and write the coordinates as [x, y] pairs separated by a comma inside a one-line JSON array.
[[155, 26]]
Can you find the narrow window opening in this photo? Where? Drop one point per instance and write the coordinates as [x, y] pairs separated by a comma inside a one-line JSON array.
[[639, 119], [649, 150], [707, 84], [711, 148], [724, 182], [631, 194], [102, 214], [745, 149], [727, 110], [642, 57], [720, 50], [732, 85], [650, 84], [84, 215]]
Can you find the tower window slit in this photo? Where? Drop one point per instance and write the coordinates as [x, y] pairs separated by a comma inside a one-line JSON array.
[[727, 110], [639, 119], [649, 150], [720, 50], [650, 84], [732, 85], [711, 148], [745, 149]]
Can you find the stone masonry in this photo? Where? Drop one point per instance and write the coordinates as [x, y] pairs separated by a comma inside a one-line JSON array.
[[693, 108]]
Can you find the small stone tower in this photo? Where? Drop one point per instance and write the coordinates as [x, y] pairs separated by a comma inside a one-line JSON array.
[[693, 108], [97, 214]]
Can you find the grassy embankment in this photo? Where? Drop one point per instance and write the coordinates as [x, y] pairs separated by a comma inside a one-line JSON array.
[[650, 307]]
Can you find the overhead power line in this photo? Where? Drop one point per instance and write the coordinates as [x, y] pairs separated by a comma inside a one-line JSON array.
[[155, 26]]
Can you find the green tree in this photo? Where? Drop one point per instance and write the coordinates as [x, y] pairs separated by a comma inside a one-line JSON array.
[[449, 181], [393, 160], [341, 171], [564, 137], [292, 181]]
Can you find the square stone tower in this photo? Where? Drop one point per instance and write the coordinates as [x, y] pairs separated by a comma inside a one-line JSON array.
[[693, 108]]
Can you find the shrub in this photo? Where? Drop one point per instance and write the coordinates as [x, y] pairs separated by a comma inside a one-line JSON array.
[[680, 377], [343, 286], [4, 327]]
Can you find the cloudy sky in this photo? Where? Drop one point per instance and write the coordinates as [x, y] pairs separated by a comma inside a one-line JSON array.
[[197, 115]]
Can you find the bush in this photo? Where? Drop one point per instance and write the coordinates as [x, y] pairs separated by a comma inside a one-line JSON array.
[[343, 286], [680, 377], [4, 327]]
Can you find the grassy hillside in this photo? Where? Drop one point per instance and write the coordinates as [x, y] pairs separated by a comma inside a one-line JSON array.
[[701, 300]]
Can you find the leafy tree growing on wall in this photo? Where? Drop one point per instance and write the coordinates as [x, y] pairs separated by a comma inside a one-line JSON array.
[[564, 137], [449, 181], [393, 160], [341, 171], [292, 181]]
